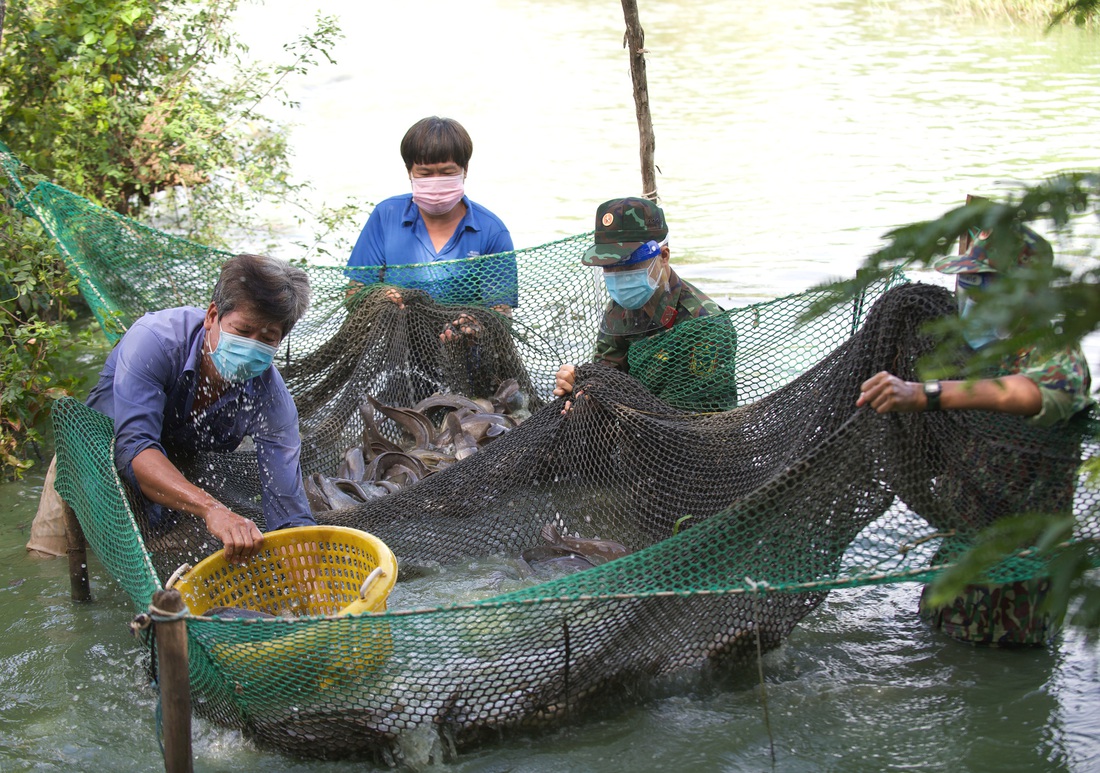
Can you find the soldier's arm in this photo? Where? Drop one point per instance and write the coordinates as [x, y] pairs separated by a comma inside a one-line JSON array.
[[1015, 393]]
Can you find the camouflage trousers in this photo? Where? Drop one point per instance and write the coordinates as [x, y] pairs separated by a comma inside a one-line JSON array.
[[997, 614]]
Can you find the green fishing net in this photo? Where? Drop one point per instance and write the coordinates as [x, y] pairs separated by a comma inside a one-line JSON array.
[[737, 521]]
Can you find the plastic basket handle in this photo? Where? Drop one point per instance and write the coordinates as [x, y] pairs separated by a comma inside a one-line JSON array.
[[372, 578], [182, 570]]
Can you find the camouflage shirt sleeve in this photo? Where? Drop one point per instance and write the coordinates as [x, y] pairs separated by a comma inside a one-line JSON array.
[[1063, 380]]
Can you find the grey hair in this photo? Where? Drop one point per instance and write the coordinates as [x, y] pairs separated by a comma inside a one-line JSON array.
[[270, 287]]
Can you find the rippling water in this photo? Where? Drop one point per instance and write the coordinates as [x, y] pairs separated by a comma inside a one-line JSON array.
[[790, 137]]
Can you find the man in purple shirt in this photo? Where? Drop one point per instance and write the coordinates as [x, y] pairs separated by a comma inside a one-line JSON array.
[[423, 239], [185, 380]]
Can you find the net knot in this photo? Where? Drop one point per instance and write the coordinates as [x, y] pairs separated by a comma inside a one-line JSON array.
[[754, 586]]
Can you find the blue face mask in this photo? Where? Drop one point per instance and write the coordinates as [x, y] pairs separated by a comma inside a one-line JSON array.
[[237, 358], [977, 334], [630, 289]]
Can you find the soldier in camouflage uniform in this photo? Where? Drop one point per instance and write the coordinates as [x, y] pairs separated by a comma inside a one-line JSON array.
[[648, 298], [1050, 387]]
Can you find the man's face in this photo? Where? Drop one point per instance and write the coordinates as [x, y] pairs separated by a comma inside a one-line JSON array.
[[243, 322]]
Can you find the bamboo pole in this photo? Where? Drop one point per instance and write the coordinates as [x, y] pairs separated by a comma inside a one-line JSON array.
[[634, 42], [175, 684], [77, 549]]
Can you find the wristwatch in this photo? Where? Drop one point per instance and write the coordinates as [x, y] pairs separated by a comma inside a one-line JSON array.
[[932, 390]]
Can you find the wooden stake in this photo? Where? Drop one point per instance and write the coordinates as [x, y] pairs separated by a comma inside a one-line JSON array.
[[175, 684], [79, 587], [634, 41]]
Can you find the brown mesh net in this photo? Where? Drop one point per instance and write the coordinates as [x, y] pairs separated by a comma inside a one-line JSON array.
[[734, 523], [772, 504]]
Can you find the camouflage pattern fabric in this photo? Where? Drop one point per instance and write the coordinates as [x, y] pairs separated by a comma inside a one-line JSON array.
[[996, 614], [1011, 614], [1062, 376], [1007, 614], [1063, 379], [622, 327], [987, 254], [622, 226]]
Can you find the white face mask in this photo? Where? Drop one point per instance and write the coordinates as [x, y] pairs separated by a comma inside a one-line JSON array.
[[440, 194]]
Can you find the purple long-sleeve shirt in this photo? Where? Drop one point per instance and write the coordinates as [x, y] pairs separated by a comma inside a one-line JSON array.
[[148, 387]]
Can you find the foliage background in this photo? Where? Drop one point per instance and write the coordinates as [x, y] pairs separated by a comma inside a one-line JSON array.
[[149, 108]]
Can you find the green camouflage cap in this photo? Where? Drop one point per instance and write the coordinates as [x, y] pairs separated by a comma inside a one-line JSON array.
[[622, 226], [983, 258]]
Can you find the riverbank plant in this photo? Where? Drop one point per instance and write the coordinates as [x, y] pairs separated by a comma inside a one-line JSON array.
[[151, 108], [37, 304], [142, 103]]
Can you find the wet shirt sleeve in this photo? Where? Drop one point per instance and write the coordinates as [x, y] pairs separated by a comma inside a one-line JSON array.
[[278, 453], [144, 376]]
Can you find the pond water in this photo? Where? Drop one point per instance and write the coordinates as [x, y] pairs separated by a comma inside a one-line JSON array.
[[789, 139]]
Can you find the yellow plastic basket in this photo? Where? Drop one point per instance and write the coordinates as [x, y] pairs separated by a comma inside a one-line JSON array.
[[300, 571]]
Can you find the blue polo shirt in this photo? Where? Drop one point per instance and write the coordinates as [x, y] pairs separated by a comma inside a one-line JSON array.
[[394, 247], [148, 387]]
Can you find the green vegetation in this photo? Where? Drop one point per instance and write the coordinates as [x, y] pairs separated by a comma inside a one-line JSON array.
[[1032, 298], [150, 108], [34, 309], [1075, 590], [135, 103]]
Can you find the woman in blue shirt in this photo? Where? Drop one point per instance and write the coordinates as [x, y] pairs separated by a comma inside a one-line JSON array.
[[436, 229]]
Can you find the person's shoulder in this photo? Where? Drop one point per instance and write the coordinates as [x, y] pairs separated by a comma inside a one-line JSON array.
[[487, 216], [169, 324], [390, 210], [277, 394], [162, 341], [400, 201], [697, 301], [171, 314], [275, 382], [393, 206]]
